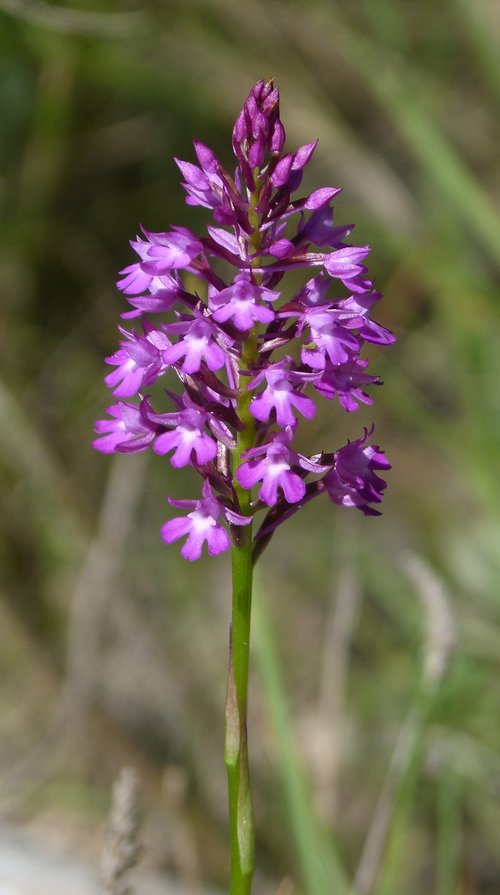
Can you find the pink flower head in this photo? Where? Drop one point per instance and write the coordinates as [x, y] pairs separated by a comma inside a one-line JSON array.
[[229, 331]]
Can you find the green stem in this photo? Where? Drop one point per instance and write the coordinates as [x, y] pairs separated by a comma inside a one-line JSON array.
[[236, 748], [242, 833]]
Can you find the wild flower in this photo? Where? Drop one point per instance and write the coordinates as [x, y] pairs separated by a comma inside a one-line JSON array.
[[244, 349], [252, 356]]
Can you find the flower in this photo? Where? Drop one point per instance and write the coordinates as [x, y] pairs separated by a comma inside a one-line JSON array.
[[197, 345], [345, 381], [201, 525], [187, 438], [229, 327], [160, 254], [127, 430], [329, 340], [139, 361], [242, 303], [271, 465], [279, 396], [353, 481]]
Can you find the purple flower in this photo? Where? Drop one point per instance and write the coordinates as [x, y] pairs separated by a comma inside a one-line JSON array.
[[319, 229], [188, 437], [353, 481], [201, 525], [228, 332], [330, 340], [203, 185], [257, 129], [196, 346], [345, 381], [279, 396], [345, 263], [241, 303], [271, 464], [127, 430], [160, 253], [165, 292], [354, 312], [139, 361]]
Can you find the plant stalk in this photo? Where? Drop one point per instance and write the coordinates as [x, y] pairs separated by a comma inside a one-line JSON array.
[[241, 823], [242, 835]]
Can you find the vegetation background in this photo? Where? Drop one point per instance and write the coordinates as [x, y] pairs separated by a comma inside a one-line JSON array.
[[375, 728]]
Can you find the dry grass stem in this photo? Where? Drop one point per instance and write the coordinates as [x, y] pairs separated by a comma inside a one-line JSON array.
[[122, 850]]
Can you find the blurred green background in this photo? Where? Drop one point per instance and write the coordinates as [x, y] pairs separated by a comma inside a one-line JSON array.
[[375, 727]]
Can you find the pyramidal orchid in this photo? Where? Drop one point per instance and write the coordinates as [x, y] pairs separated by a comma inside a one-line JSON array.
[[252, 359]]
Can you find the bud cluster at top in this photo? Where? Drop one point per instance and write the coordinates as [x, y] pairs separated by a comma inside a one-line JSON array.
[[250, 358]]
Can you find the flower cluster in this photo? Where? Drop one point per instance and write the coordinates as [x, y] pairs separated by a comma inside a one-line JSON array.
[[244, 351]]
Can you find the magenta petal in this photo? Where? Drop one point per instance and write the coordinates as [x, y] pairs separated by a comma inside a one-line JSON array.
[[263, 314], [191, 550], [182, 454], [305, 406], [205, 449], [262, 406], [172, 354], [282, 171], [218, 540], [135, 280], [224, 313], [183, 504], [206, 157], [248, 474], [345, 263], [165, 442], [215, 357], [192, 174], [320, 197], [237, 518], [107, 444], [293, 486], [269, 490], [130, 385], [175, 528], [303, 155]]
